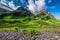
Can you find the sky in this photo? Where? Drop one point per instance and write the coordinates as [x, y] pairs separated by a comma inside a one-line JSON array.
[[53, 6]]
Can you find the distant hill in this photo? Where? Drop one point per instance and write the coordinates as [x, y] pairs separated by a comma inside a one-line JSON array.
[[23, 17], [21, 12], [3, 10]]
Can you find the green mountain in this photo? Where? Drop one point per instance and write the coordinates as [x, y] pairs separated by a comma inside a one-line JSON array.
[[22, 18]]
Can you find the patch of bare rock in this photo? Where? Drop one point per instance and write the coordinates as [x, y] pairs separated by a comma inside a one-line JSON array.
[[13, 35]]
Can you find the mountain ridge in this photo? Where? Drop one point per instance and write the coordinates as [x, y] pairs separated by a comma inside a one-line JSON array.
[[22, 11], [22, 18]]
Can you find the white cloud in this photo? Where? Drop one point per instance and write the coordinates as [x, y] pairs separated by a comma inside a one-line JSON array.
[[12, 6], [8, 4], [4, 2], [49, 1], [22, 1], [53, 7], [31, 6], [37, 6], [40, 4], [6, 8]]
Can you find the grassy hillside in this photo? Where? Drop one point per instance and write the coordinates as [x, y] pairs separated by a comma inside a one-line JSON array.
[[23, 19]]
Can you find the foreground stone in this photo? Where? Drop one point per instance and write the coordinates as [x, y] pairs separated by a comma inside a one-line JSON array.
[[6, 35], [46, 36], [13, 35]]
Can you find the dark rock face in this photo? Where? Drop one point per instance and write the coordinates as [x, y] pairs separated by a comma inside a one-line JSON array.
[[7, 35], [21, 12], [47, 36], [21, 8]]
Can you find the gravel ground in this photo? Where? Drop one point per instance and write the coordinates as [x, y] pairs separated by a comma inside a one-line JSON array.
[[7, 35], [46, 36]]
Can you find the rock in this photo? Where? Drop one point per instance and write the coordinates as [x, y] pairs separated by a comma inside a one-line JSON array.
[[46, 36], [7, 35]]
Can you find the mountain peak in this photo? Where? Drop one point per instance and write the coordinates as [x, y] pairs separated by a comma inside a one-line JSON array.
[[44, 11], [20, 8], [41, 12]]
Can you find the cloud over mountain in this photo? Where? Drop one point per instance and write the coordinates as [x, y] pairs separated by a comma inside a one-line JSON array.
[[8, 5], [12, 6], [36, 5], [32, 5]]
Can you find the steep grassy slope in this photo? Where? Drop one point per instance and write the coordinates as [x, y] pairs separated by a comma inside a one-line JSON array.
[[23, 19]]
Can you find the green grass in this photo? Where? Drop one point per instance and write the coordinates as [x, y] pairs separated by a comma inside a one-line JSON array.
[[24, 20], [30, 24]]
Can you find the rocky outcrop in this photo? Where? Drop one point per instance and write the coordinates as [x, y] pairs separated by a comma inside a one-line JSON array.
[[47, 36], [13, 35], [21, 12], [7, 35]]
